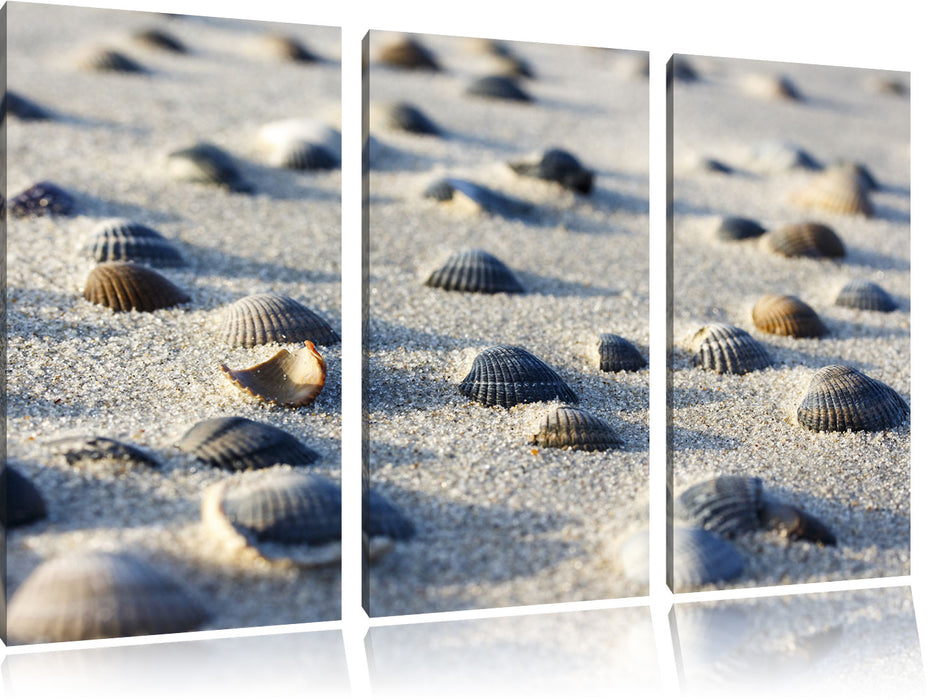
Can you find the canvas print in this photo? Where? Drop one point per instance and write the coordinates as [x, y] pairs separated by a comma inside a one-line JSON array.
[[789, 376], [507, 336], [173, 350]]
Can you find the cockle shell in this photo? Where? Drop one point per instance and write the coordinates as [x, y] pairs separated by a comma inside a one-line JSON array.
[[23, 503], [857, 172], [804, 240], [22, 108], [475, 271], [771, 87], [478, 197], [108, 60], [402, 116], [238, 444], [865, 295], [285, 48], [559, 166], [382, 518], [737, 228], [42, 199], [300, 144], [207, 164], [841, 398], [273, 318], [787, 315], [93, 448], [98, 595], [835, 190], [616, 354], [572, 428], [160, 39], [124, 240], [123, 286], [498, 87], [287, 379], [408, 53], [508, 375], [728, 349]]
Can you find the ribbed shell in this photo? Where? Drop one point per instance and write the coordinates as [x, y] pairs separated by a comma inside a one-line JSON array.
[[303, 155], [207, 164], [728, 349], [787, 315], [123, 286], [616, 354], [509, 375], [128, 241], [837, 191], [274, 318], [736, 228], [475, 271], [160, 39], [484, 197], [804, 240], [699, 558], [23, 503], [559, 166], [279, 136], [859, 173], [381, 518], [727, 505], [498, 87], [572, 428], [408, 53], [868, 296], [92, 448], [841, 398], [42, 199], [108, 60], [402, 116], [286, 379], [236, 444], [22, 108], [100, 595]]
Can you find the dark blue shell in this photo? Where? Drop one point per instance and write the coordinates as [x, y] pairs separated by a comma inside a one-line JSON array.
[[383, 518], [236, 444], [841, 398], [475, 271], [509, 375]]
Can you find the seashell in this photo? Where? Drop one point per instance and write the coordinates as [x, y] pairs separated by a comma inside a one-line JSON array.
[[796, 524], [452, 189], [775, 156], [124, 240], [475, 271], [728, 350], [888, 86], [160, 39], [402, 116], [22, 503], [559, 166], [303, 155], [857, 172], [509, 375], [861, 294], [274, 318], [511, 65], [384, 519], [287, 517], [770, 87], [804, 240], [42, 199], [239, 444], [835, 190], [575, 429], [123, 286], [787, 315], [736, 228], [98, 595], [285, 48], [710, 165], [287, 379], [207, 164], [408, 53], [616, 354], [841, 398], [498, 87], [699, 558], [22, 108], [301, 144], [94, 448], [108, 60], [681, 69]]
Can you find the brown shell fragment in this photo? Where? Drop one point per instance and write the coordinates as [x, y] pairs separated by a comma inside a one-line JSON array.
[[841, 398], [804, 240], [836, 190], [787, 315], [124, 286], [287, 379], [575, 429], [274, 318]]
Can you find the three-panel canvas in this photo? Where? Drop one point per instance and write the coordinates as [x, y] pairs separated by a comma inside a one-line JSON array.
[[173, 324]]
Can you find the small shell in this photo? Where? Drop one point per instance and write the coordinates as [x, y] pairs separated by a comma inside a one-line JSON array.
[[841, 398], [726, 505], [736, 228], [498, 87], [572, 428], [559, 166], [93, 448], [97, 595], [480, 197], [238, 444], [704, 164], [617, 354], [128, 241], [770, 87], [123, 286], [699, 558], [861, 294], [835, 190], [728, 349], [302, 155], [287, 379], [408, 53], [274, 318], [777, 156], [787, 315], [509, 375], [857, 172], [22, 108], [475, 271], [510, 65], [804, 240], [384, 519], [24, 503], [207, 164], [681, 69], [402, 116], [108, 60], [300, 144], [42, 199], [160, 39], [285, 48]]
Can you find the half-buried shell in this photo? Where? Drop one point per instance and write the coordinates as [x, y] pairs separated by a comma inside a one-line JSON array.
[[498, 87], [22, 108], [804, 240], [124, 286], [408, 53], [287, 379], [728, 349], [572, 428], [128, 241], [835, 190], [841, 398], [285, 48], [770, 87], [300, 144], [273, 318], [402, 116], [98, 595], [559, 166], [509, 375], [616, 354], [475, 271], [238, 444], [107, 60], [94, 448], [737, 228], [160, 39], [787, 315], [473, 196], [42, 199], [865, 295], [23, 503], [778, 156], [207, 164]]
